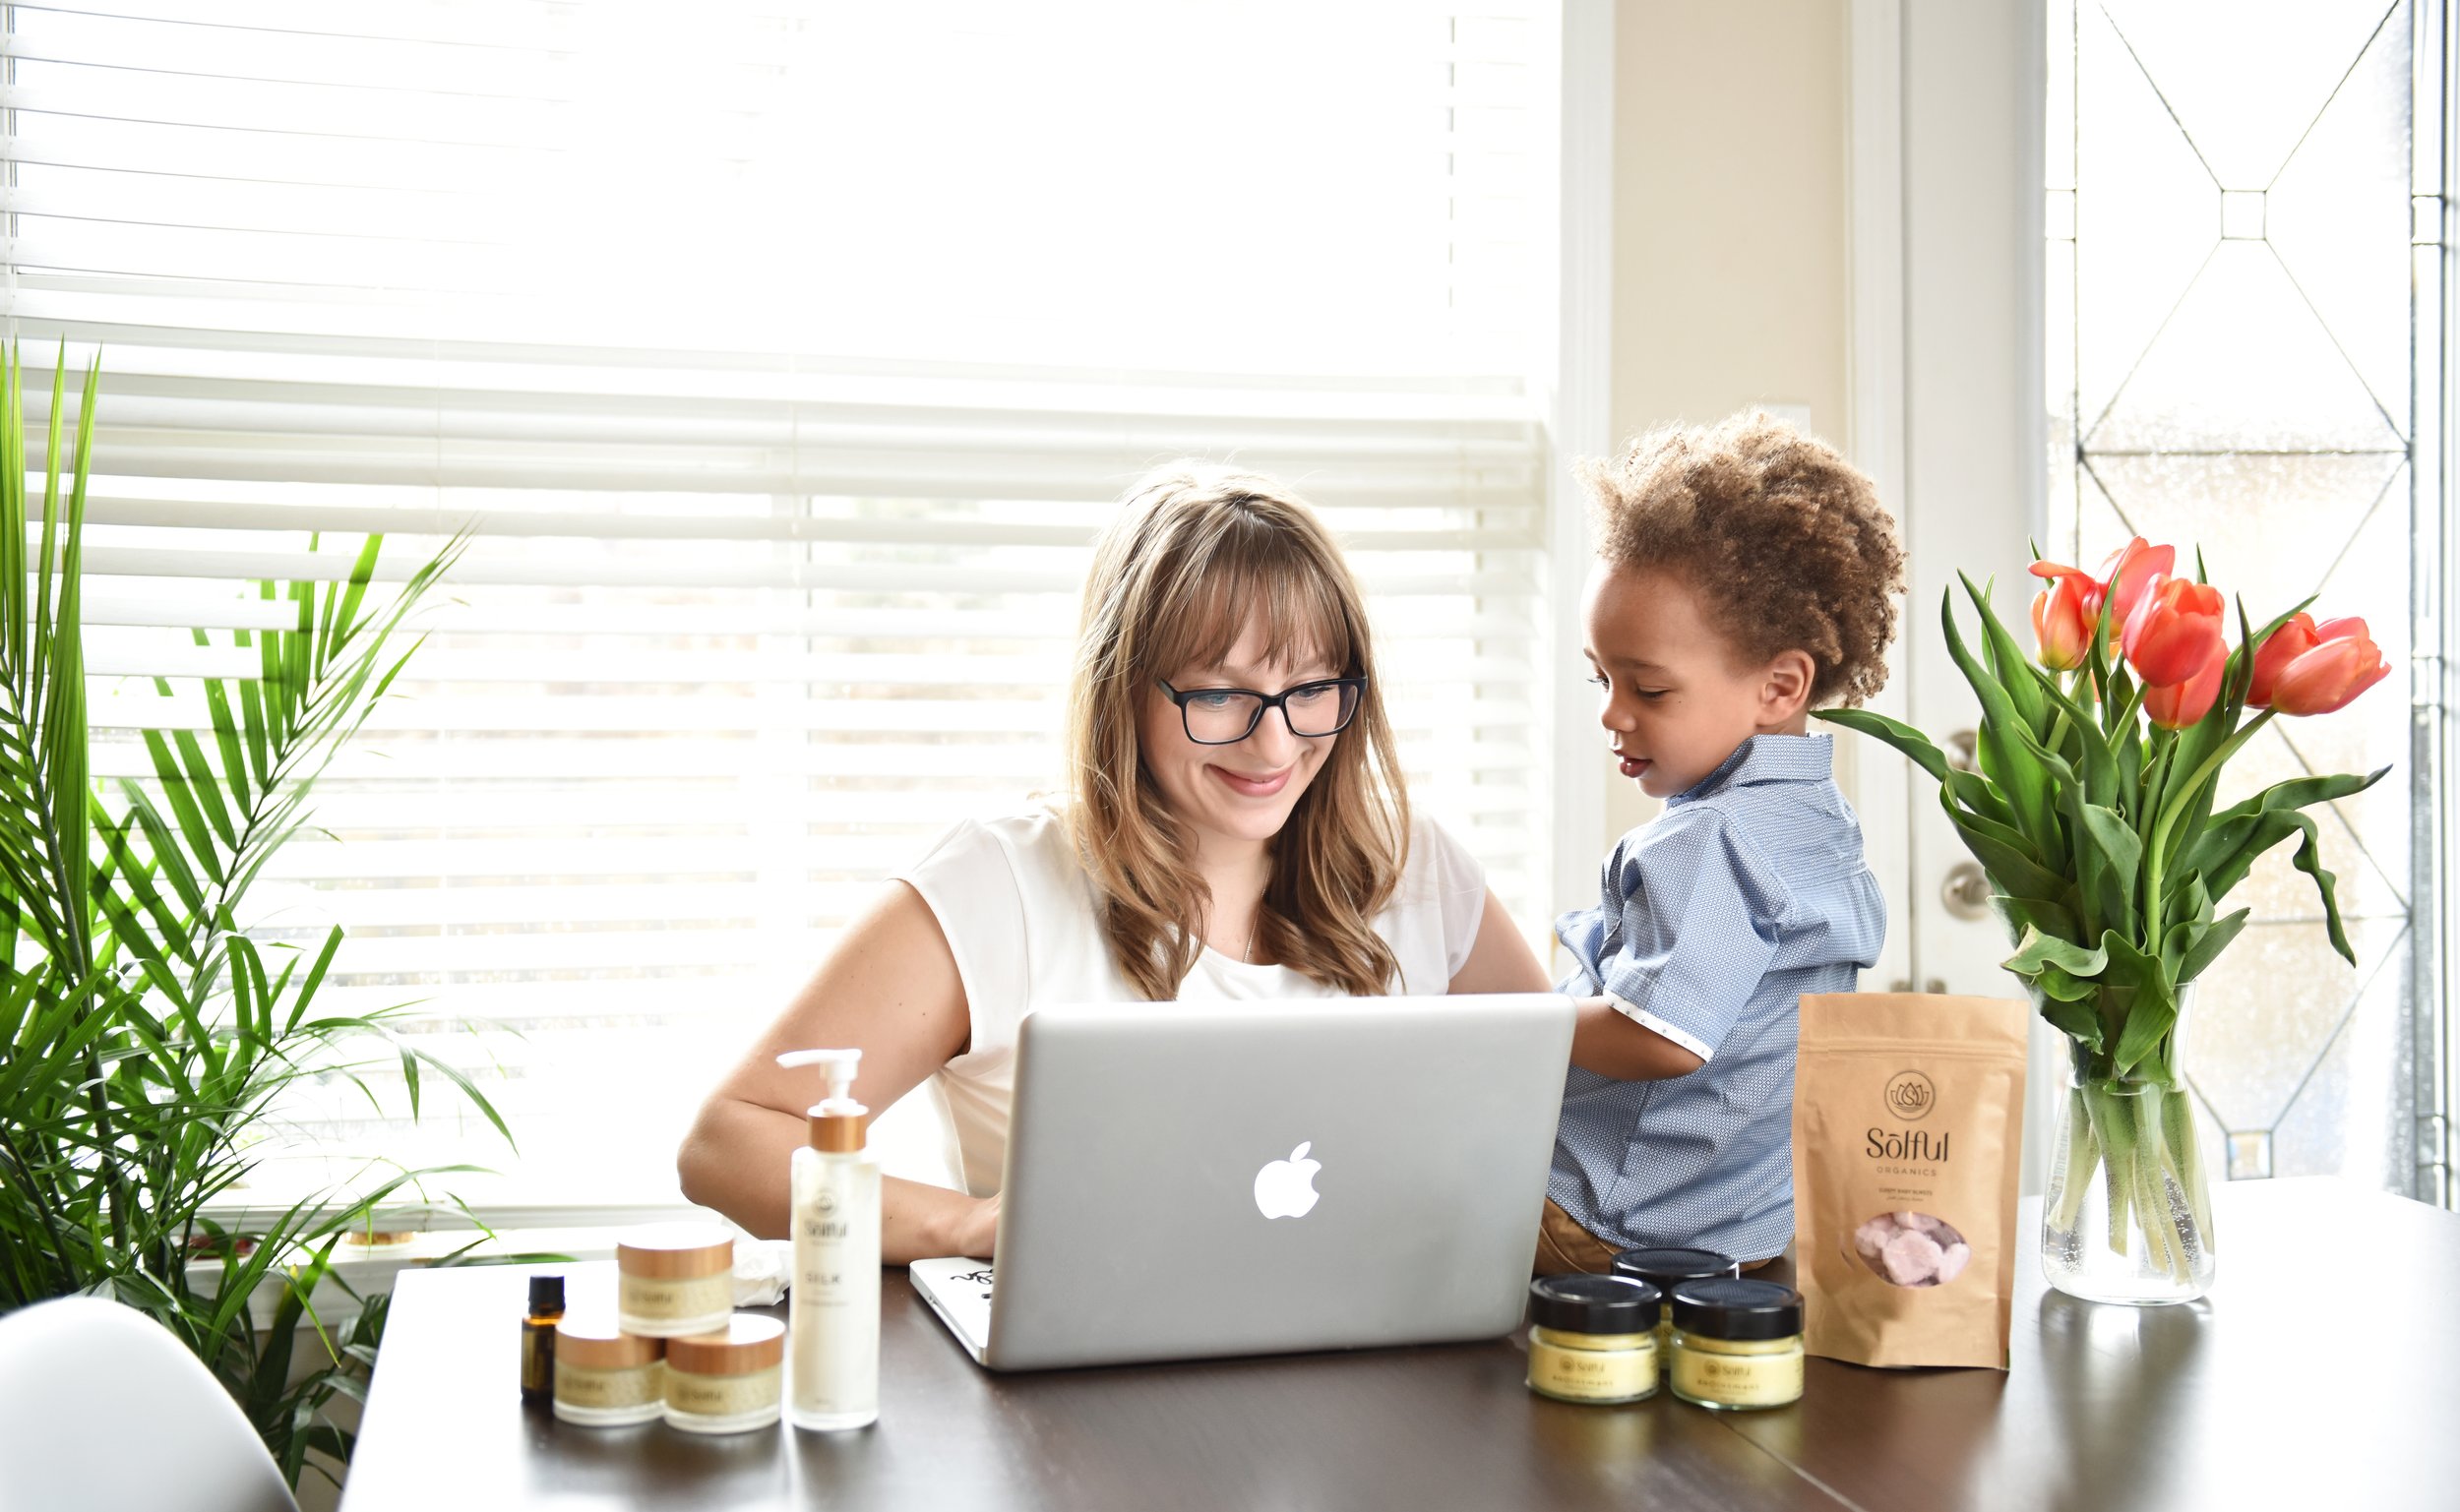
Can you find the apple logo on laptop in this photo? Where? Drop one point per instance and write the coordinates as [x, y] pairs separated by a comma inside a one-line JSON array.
[[1287, 1188]]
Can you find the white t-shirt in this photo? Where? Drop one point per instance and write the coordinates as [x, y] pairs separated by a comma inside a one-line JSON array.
[[1018, 911]]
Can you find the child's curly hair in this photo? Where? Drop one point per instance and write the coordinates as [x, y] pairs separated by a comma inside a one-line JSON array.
[[1786, 542]]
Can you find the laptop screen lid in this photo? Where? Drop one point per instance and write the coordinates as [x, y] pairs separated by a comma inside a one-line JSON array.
[[1189, 1179]]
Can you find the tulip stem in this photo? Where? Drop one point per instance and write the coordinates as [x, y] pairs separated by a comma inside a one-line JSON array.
[[2157, 844]]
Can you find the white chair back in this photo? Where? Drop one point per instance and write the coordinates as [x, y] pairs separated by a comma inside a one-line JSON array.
[[100, 1409]]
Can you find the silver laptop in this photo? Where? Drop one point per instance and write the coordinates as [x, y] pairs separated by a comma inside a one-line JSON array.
[[1192, 1180]]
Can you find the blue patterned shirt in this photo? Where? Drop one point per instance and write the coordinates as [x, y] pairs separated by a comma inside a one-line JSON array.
[[1713, 920]]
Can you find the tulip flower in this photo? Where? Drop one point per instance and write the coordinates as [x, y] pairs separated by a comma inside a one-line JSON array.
[[2130, 571], [2343, 663], [2295, 639], [2176, 706], [2125, 575], [2063, 622], [2173, 631]]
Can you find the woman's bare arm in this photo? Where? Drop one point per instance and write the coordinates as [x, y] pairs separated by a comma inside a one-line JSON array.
[[890, 989], [1499, 958]]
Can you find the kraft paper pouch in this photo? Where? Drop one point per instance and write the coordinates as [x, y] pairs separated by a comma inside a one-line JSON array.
[[1908, 1120]]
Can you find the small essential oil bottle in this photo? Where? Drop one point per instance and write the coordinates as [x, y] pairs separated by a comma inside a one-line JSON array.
[[546, 1309]]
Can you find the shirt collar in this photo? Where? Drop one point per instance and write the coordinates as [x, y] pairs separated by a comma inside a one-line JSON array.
[[1767, 759]]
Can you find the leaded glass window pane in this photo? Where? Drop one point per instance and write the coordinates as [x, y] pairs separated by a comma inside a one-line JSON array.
[[2230, 365]]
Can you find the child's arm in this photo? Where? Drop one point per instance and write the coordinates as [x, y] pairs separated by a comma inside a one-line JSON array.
[[1696, 933], [1609, 1043]]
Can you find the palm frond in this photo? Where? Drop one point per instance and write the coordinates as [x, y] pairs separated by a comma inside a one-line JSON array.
[[147, 1036]]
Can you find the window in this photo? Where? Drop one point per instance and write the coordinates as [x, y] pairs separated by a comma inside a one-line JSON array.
[[784, 360], [2240, 359]]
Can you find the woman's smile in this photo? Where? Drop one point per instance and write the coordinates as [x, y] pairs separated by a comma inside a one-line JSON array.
[[1253, 787]]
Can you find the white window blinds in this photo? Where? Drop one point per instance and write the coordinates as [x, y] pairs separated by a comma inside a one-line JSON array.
[[782, 362]]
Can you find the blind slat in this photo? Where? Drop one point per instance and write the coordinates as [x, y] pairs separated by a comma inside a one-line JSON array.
[[779, 480]]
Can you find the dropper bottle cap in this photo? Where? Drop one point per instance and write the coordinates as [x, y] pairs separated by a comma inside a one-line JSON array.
[[837, 1122]]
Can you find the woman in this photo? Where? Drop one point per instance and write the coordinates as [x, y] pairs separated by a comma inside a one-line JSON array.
[[1235, 828]]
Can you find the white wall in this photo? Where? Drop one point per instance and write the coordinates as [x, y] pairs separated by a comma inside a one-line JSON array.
[[1731, 277]]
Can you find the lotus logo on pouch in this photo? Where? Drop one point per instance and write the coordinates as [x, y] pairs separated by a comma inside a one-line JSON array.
[[1910, 1095], [1287, 1188]]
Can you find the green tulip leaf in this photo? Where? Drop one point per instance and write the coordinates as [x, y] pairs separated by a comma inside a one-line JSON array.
[[1975, 792], [2013, 669], [2251, 838], [2053, 762], [2153, 1010], [2005, 854], [2206, 948], [2309, 860], [1908, 741], [2020, 914], [2065, 985], [2002, 760], [2075, 1019], [2120, 852], [2038, 950], [2297, 793]]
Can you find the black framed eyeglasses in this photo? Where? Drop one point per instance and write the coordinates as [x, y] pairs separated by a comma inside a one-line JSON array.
[[1225, 716]]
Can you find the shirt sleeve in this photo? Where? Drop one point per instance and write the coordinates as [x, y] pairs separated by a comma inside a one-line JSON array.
[[1460, 891], [1698, 930], [969, 883]]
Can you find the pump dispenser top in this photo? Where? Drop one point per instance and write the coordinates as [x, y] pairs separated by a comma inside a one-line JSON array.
[[837, 1122]]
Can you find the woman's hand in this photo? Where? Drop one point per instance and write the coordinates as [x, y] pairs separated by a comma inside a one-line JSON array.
[[978, 1230]]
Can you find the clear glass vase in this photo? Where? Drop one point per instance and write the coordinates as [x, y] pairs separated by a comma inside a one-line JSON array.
[[2127, 1217]]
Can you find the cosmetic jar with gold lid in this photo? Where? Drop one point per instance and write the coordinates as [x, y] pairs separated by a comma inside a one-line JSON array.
[[605, 1377], [1737, 1343], [729, 1381], [1665, 1269], [1592, 1339], [675, 1279]]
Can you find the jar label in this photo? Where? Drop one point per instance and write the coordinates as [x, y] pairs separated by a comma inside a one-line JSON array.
[[668, 1297], [586, 1386], [722, 1396], [1596, 1375], [1739, 1380]]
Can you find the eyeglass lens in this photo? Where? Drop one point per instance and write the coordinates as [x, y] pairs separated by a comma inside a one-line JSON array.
[[1218, 718]]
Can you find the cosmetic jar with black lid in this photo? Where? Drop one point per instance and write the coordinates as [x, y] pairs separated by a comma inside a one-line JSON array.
[[1737, 1343], [1592, 1339], [1668, 1268]]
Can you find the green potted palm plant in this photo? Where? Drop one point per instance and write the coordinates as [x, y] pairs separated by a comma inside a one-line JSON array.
[[2093, 813], [145, 1034]]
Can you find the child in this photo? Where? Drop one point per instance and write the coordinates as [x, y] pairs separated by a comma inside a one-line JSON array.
[[1743, 578]]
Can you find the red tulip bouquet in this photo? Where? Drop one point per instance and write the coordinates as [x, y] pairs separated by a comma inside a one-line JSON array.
[[2093, 814]]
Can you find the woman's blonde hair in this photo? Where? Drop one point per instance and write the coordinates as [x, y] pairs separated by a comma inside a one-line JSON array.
[[1195, 553]]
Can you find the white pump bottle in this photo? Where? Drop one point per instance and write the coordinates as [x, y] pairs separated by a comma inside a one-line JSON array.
[[835, 1310]]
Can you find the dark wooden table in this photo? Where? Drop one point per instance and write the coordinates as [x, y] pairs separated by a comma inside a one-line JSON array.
[[2323, 1372]]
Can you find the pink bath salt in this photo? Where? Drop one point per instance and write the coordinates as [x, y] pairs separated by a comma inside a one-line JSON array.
[[1911, 1258], [1934, 1228], [1951, 1261], [1872, 1237], [1913, 1221]]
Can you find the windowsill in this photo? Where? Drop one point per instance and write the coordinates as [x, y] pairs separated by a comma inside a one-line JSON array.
[[427, 1236]]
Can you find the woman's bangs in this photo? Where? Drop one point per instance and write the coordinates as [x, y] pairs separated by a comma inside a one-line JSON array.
[[1303, 619]]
